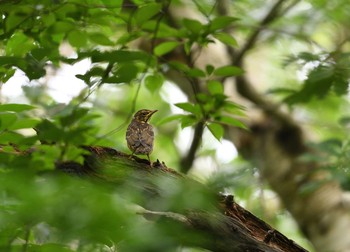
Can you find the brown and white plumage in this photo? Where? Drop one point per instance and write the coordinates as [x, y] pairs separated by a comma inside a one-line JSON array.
[[140, 135]]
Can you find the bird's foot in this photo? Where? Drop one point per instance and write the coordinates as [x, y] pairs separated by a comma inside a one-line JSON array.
[[158, 164]]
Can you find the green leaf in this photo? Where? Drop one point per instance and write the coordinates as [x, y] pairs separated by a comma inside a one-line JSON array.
[[189, 107], [318, 83], [233, 108], [14, 20], [100, 39], [165, 47], [146, 12], [187, 47], [164, 30], [225, 38], [174, 64], [306, 56], [7, 60], [115, 56], [188, 120], [231, 121], [75, 116], [340, 82], [48, 19], [6, 74], [193, 25], [204, 98], [33, 68], [19, 44], [217, 130], [75, 153], [221, 23], [128, 37], [25, 123], [170, 119], [48, 131], [125, 73], [16, 107], [209, 69], [195, 72], [7, 119], [93, 72], [7, 137], [192, 72], [43, 53], [215, 87], [61, 27], [228, 71], [77, 38], [154, 82]]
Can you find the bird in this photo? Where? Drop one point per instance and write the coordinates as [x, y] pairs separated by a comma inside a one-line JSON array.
[[139, 134]]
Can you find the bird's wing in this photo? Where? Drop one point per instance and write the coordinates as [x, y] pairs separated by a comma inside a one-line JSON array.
[[132, 135], [146, 135], [140, 135]]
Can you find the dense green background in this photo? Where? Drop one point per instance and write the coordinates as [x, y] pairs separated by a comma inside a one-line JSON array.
[[301, 58]]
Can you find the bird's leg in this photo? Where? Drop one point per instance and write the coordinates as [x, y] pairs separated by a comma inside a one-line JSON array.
[[132, 155], [149, 160]]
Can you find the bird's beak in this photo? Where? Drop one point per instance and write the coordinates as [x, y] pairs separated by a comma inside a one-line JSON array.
[[153, 111], [150, 114]]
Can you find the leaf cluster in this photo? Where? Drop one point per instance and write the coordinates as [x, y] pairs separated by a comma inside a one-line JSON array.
[[329, 73], [213, 108]]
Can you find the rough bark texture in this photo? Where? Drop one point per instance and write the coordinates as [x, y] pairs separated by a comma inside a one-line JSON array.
[[230, 228]]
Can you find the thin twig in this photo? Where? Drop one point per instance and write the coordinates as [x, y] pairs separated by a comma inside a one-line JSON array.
[[243, 86], [134, 100], [171, 215], [269, 18]]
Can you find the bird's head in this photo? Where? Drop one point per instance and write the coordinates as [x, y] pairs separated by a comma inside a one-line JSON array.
[[144, 115]]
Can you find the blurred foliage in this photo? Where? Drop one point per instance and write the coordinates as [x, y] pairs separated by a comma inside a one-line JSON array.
[[41, 212]]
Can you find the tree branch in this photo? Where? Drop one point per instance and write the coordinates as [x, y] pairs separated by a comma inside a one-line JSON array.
[[243, 87], [187, 161], [228, 227], [269, 18]]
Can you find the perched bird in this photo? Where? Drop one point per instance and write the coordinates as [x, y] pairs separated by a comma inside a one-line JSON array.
[[140, 135]]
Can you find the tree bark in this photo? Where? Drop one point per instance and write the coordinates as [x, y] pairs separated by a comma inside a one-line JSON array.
[[229, 228]]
